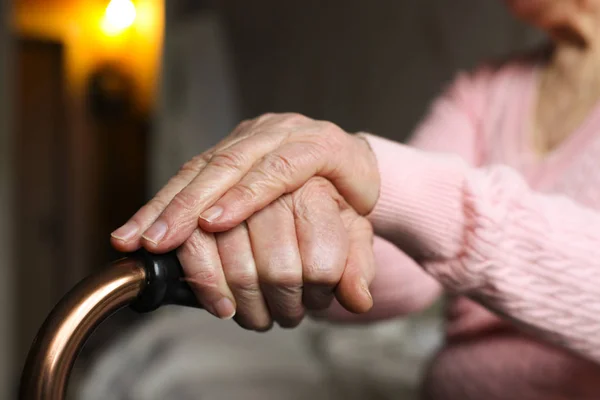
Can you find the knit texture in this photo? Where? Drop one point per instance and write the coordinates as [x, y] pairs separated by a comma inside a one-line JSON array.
[[484, 233], [500, 225]]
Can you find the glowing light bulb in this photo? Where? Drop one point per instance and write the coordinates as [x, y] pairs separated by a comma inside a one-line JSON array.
[[119, 15]]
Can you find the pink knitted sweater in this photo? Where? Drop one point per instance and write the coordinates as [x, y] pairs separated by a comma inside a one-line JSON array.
[[500, 226]]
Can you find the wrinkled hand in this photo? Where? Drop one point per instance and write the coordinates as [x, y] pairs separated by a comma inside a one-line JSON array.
[[297, 253], [260, 161]]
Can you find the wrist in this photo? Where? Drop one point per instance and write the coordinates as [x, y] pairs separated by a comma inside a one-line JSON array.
[[367, 154], [420, 204]]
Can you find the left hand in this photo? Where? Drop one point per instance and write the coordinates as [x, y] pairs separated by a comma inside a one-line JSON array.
[[261, 160], [295, 254]]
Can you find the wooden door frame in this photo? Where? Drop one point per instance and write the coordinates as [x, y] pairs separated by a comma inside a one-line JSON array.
[[7, 369], [79, 151], [76, 144], [39, 184]]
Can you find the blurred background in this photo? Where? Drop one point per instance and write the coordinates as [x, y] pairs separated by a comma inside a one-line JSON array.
[[102, 101]]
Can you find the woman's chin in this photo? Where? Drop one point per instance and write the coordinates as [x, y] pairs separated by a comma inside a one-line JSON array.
[[532, 11]]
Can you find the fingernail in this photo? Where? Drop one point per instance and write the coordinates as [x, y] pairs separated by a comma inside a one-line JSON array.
[[156, 232], [126, 232], [224, 308], [212, 213], [365, 288]]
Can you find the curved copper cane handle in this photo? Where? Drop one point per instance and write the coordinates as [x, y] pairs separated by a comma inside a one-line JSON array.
[[142, 280]]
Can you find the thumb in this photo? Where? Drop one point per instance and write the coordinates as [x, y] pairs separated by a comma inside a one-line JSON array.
[[353, 291]]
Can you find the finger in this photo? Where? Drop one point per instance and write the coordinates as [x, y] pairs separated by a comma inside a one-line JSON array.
[[127, 237], [353, 290], [322, 241], [279, 172], [199, 257], [400, 287], [323, 150], [237, 259], [229, 163], [224, 169], [275, 248]]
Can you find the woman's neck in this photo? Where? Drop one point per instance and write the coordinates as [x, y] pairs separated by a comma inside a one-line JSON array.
[[569, 88], [574, 68], [575, 62]]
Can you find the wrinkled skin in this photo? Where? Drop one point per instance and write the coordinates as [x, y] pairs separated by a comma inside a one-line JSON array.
[[288, 234], [277, 155]]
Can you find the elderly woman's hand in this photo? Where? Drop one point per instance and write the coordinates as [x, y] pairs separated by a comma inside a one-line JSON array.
[[297, 253], [260, 161]]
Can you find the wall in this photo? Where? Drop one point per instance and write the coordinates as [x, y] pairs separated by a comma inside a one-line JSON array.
[[198, 100], [6, 370], [372, 67], [367, 67]]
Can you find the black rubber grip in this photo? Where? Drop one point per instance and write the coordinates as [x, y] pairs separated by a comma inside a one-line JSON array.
[[165, 283]]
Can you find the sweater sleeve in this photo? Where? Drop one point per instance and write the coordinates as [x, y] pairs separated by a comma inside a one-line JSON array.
[[483, 233], [401, 286]]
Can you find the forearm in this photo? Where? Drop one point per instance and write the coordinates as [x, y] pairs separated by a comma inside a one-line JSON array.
[[483, 233]]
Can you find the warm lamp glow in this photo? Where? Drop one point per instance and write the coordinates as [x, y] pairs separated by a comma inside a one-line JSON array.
[[119, 15]]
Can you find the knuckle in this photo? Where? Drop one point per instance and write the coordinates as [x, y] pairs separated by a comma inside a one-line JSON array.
[[330, 128], [180, 178], [362, 227], [365, 226], [241, 130], [204, 277], [263, 326], [288, 303], [245, 281], [194, 165], [317, 297], [245, 192], [204, 280], [321, 274], [303, 209], [228, 160], [244, 124], [186, 201], [295, 118], [187, 168], [253, 323], [333, 136], [154, 207], [198, 273], [283, 278], [196, 248], [278, 165], [266, 115], [263, 118], [319, 186], [282, 207], [246, 292], [318, 195], [291, 318]]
